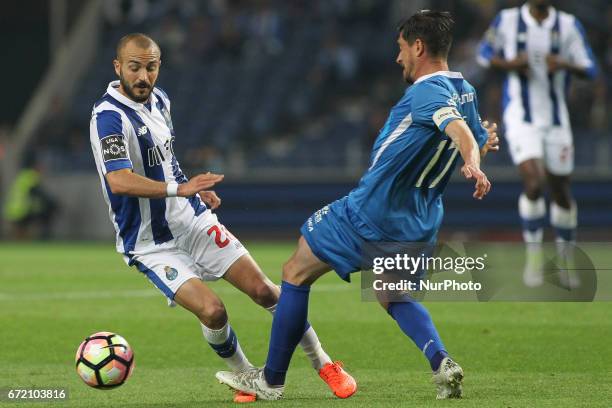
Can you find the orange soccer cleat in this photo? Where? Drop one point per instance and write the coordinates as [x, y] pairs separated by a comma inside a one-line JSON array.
[[339, 381], [242, 397]]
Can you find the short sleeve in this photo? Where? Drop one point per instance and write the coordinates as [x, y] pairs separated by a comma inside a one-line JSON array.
[[491, 43], [579, 51], [433, 105], [109, 142], [474, 121]]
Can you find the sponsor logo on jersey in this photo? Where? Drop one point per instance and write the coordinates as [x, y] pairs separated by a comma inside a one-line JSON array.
[[460, 100], [142, 130]]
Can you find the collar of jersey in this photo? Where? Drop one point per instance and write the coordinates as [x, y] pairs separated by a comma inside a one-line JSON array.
[[115, 94], [449, 74], [548, 22]]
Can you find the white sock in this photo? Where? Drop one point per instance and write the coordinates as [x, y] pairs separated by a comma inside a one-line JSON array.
[[532, 212], [225, 343], [565, 221], [311, 345]]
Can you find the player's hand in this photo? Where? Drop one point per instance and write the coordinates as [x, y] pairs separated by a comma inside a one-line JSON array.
[[554, 63], [198, 183], [519, 64], [483, 185], [492, 139], [211, 199]]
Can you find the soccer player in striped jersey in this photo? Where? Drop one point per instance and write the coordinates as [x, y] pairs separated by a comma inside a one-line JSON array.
[[164, 222], [539, 48], [398, 199]]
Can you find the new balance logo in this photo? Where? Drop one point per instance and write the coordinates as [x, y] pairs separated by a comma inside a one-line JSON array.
[[142, 130]]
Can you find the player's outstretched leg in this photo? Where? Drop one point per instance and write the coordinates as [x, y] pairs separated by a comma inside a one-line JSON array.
[[288, 328], [246, 275], [415, 321], [196, 297]]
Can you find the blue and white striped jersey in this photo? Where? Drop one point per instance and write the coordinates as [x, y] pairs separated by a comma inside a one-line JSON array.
[[400, 196], [537, 98], [129, 135]]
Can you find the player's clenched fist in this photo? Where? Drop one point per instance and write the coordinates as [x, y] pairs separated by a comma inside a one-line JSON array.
[[483, 185], [198, 183]]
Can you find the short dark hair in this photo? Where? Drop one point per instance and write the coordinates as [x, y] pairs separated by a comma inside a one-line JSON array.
[[434, 28], [141, 40]]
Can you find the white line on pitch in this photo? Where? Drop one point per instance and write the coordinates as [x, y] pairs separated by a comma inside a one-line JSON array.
[[138, 293]]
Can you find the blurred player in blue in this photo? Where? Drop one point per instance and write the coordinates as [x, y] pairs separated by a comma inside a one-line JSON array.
[[539, 48], [399, 199]]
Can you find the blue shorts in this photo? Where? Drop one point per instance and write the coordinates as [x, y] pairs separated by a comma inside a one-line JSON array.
[[336, 236]]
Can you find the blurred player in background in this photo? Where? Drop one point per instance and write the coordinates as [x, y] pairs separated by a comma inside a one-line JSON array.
[[164, 222], [399, 199], [539, 47]]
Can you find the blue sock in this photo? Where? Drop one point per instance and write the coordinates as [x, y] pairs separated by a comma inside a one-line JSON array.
[[288, 327], [416, 323]]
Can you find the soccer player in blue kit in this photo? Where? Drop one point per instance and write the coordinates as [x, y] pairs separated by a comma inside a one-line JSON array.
[[399, 199]]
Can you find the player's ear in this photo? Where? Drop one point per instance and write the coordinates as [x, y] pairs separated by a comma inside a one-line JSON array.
[[419, 46], [117, 66]]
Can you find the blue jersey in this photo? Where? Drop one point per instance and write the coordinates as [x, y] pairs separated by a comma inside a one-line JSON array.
[[400, 196]]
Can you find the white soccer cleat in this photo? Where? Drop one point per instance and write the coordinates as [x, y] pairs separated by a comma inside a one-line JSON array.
[[251, 382], [448, 379]]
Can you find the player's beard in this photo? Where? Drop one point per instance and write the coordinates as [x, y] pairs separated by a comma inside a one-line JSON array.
[[131, 94]]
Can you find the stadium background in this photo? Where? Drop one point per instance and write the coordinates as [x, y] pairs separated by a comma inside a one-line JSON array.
[[285, 98]]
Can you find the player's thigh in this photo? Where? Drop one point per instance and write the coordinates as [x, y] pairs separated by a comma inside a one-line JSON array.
[[167, 269], [525, 142], [559, 151], [213, 248], [247, 276], [304, 268]]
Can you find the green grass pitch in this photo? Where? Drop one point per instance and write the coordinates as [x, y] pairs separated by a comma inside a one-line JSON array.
[[513, 354]]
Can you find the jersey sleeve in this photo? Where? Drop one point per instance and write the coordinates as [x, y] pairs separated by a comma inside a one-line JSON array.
[[491, 43], [109, 141], [579, 51], [474, 121], [433, 105]]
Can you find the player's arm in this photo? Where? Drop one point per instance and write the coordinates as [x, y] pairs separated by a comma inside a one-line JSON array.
[[489, 51], [519, 64], [126, 182], [462, 137], [580, 60]]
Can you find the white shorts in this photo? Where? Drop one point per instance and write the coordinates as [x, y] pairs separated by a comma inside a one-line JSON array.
[[205, 252], [551, 144]]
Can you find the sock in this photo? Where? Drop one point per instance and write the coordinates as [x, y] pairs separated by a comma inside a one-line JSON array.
[[416, 323], [311, 345], [288, 327], [533, 218], [225, 343], [564, 221]]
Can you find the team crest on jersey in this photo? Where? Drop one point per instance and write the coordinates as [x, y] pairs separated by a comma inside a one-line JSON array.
[[171, 273], [142, 130]]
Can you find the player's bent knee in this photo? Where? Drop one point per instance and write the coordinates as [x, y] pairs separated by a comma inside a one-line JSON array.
[[533, 188], [293, 274]]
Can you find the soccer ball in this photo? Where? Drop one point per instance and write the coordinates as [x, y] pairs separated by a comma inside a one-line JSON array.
[[104, 360]]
